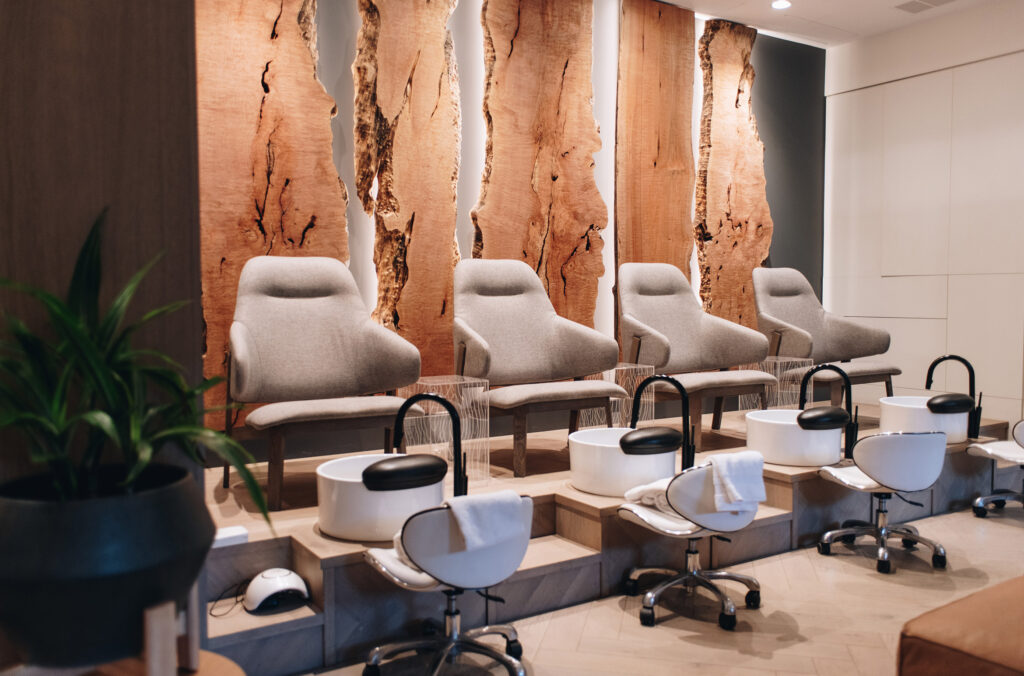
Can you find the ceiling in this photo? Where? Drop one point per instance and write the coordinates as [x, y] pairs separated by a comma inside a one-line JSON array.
[[827, 23]]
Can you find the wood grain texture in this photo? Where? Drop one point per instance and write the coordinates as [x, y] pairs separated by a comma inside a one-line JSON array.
[[734, 224], [99, 111], [407, 138], [538, 199], [267, 180], [654, 170]]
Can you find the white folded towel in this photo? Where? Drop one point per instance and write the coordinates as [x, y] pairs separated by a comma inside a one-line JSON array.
[[652, 495], [488, 518], [739, 481]]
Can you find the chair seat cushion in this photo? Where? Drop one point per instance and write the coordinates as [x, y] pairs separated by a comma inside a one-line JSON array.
[[514, 396], [852, 477], [344, 408], [388, 562], [704, 380], [854, 369], [658, 521], [1010, 451]]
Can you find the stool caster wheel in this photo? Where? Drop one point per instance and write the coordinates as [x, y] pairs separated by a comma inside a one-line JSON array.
[[999, 504], [630, 587], [647, 617], [908, 543], [514, 649], [824, 548], [753, 600], [980, 512], [938, 561], [371, 670], [883, 566], [727, 622]]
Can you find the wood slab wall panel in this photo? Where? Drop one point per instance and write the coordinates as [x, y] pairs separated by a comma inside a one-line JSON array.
[[733, 224], [99, 111], [654, 170], [538, 198], [407, 138], [267, 181]]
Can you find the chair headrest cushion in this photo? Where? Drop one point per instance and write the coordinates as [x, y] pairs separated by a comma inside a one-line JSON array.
[[404, 471]]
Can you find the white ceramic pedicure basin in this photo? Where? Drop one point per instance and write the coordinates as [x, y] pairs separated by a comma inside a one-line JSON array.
[[598, 465], [777, 436], [911, 414], [349, 510]]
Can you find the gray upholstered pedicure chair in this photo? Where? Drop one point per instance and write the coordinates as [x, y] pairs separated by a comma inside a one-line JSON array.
[[662, 324], [303, 344], [792, 318], [507, 331]]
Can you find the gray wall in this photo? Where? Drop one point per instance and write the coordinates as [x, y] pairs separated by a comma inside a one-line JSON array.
[[789, 103]]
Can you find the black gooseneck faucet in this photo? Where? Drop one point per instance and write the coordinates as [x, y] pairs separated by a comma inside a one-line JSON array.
[[460, 480], [974, 415], [689, 450], [851, 424]]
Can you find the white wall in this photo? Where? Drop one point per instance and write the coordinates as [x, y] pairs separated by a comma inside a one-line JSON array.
[[924, 203]]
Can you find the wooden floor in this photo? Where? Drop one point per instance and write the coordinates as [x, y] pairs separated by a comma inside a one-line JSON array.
[[819, 615]]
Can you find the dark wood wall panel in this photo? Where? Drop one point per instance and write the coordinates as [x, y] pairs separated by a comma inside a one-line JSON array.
[[654, 171], [734, 224], [268, 185], [98, 110], [538, 199], [407, 138]]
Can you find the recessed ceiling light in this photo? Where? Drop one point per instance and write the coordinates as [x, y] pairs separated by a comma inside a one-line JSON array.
[[781, 4]]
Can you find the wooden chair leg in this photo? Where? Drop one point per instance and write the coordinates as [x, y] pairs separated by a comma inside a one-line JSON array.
[[836, 392], [275, 471], [225, 482], [716, 417], [519, 443], [696, 415], [888, 386], [608, 412], [574, 421], [387, 440], [762, 396]]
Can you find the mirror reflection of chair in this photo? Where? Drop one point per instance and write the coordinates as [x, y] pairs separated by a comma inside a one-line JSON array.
[[662, 324], [885, 464], [302, 343], [507, 331], [691, 497], [1011, 450], [790, 315], [435, 556]]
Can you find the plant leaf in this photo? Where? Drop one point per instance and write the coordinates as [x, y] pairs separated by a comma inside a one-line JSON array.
[[83, 295], [115, 315]]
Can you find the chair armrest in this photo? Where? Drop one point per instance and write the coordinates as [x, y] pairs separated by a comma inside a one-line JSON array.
[[727, 343], [580, 350], [396, 361], [244, 384], [794, 341], [478, 353], [846, 339], [655, 349]]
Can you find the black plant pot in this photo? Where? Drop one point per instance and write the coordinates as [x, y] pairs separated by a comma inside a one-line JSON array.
[[76, 576]]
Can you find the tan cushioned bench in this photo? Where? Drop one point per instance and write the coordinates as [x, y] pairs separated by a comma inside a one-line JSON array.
[[979, 635]]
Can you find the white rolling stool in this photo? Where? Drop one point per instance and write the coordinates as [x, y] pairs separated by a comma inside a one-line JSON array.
[[431, 540], [1011, 450], [885, 464], [691, 494]]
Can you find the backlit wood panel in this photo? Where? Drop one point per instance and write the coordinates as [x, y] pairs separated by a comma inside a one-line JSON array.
[[538, 199], [267, 181], [407, 139], [654, 171], [734, 224]]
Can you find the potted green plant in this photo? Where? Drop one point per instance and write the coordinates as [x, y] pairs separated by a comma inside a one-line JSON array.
[[104, 531]]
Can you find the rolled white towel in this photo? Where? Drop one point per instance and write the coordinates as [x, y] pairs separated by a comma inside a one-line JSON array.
[[739, 481], [652, 495]]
